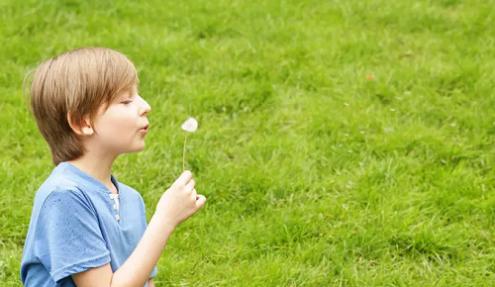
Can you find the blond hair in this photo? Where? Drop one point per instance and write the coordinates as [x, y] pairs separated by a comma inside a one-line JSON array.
[[78, 83]]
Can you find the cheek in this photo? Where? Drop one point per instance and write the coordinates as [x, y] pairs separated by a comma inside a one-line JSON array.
[[117, 125]]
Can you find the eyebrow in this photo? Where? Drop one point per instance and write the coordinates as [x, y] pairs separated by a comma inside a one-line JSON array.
[[123, 97]]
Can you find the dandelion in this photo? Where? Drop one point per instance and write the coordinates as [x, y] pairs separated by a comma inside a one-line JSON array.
[[190, 126]]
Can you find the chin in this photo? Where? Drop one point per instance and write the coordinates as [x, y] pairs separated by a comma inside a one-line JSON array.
[[139, 148], [136, 149]]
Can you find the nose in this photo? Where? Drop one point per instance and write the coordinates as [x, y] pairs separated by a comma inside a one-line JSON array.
[[145, 107]]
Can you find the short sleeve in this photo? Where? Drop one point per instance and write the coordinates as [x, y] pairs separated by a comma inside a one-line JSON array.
[[69, 239]]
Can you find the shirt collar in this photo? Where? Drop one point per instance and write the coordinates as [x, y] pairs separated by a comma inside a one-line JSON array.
[[88, 180]]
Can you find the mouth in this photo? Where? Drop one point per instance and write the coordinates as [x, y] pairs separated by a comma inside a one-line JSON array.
[[145, 128]]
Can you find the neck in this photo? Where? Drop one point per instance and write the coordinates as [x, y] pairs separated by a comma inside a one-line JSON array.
[[98, 166]]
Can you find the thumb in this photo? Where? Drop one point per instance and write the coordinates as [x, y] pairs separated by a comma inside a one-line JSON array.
[[200, 201]]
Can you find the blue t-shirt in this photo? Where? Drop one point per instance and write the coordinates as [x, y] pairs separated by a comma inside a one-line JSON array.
[[76, 224]]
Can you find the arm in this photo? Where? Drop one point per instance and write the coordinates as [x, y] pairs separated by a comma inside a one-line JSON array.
[[136, 269], [178, 203]]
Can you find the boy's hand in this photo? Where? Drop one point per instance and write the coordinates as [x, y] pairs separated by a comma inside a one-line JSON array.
[[180, 201]]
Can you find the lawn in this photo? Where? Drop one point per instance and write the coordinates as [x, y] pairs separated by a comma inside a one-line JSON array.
[[340, 143]]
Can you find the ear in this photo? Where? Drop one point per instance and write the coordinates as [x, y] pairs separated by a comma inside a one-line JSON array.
[[83, 128]]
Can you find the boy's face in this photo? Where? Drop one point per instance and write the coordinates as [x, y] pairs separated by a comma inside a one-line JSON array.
[[120, 127]]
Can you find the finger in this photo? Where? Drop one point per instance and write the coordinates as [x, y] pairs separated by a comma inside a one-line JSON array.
[[194, 194], [200, 201], [184, 178], [190, 185]]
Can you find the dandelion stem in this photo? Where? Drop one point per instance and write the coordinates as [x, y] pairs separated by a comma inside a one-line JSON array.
[[184, 153]]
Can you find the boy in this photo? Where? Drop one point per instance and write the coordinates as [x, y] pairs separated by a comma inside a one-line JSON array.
[[87, 228]]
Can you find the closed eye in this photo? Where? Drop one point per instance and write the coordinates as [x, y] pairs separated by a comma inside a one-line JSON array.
[[125, 102]]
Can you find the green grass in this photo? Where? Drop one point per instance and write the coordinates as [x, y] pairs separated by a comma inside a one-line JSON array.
[[341, 143]]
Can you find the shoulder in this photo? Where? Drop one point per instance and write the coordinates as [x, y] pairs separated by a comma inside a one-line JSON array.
[[62, 194], [63, 199], [66, 193], [59, 186], [64, 184], [64, 209]]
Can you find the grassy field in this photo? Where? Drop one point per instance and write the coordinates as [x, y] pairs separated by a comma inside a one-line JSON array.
[[341, 143]]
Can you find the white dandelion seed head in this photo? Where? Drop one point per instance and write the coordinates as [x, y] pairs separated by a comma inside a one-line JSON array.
[[190, 125]]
